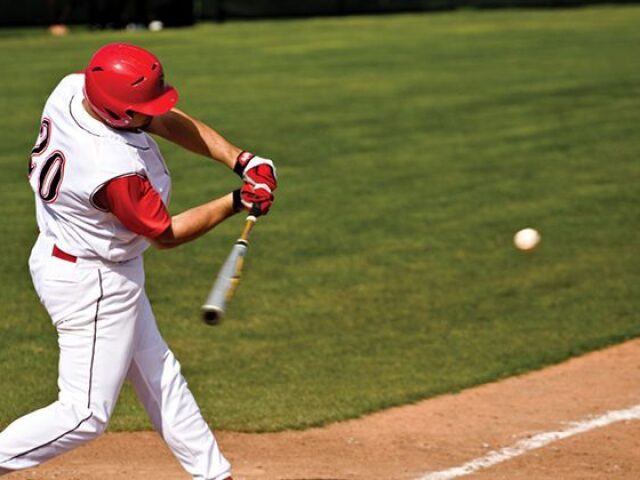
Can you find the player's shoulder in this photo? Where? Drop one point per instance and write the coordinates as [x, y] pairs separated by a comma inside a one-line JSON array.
[[90, 128], [67, 87], [73, 80], [110, 149]]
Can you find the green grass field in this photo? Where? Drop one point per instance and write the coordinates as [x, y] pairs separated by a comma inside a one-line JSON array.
[[410, 149]]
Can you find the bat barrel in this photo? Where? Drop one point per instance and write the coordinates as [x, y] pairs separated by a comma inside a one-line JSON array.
[[212, 315], [228, 277], [225, 284]]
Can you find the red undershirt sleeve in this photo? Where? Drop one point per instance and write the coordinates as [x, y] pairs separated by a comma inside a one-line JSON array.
[[137, 205]]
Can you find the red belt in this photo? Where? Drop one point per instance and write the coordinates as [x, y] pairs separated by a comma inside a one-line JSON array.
[[63, 255]]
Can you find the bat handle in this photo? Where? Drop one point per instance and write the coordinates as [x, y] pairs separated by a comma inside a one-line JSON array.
[[248, 225], [252, 218]]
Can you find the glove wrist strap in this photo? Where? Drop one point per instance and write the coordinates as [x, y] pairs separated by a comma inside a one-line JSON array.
[[242, 161], [237, 201]]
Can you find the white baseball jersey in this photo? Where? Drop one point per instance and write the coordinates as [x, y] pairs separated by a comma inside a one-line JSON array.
[[74, 156]]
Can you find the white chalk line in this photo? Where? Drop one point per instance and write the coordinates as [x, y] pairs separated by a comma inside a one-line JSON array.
[[537, 441]]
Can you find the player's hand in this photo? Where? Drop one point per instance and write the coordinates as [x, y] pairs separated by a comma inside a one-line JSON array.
[[255, 198], [256, 170]]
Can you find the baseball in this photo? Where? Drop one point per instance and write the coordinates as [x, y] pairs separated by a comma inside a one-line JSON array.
[[526, 239]]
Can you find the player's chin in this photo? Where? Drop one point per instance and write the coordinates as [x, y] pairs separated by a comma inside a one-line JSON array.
[[146, 122], [139, 122]]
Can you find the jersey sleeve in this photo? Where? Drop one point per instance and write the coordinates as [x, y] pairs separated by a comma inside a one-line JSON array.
[[133, 200]]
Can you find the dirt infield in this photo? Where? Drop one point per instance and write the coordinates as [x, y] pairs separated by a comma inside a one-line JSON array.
[[433, 435]]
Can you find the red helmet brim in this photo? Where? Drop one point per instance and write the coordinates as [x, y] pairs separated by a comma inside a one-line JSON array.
[[158, 105]]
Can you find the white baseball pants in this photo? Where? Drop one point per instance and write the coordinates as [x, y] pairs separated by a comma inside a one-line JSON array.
[[106, 333]]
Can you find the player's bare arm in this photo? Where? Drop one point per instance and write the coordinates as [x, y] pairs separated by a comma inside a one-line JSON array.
[[192, 134], [139, 207], [184, 130], [195, 222]]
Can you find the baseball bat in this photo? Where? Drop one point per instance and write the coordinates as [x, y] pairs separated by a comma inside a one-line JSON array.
[[228, 277]]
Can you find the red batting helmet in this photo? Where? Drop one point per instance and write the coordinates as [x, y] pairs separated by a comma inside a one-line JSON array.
[[122, 79]]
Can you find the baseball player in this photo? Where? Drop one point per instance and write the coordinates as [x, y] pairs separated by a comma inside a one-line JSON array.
[[101, 189]]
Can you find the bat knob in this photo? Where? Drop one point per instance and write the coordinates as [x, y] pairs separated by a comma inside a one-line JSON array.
[[255, 210], [212, 316]]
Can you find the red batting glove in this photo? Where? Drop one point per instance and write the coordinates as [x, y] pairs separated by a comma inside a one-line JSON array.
[[257, 199], [256, 170]]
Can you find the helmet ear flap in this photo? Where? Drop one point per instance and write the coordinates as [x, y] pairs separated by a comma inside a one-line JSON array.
[[107, 114], [112, 114]]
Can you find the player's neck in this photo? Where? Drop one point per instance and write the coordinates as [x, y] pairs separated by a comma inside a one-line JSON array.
[[90, 111]]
